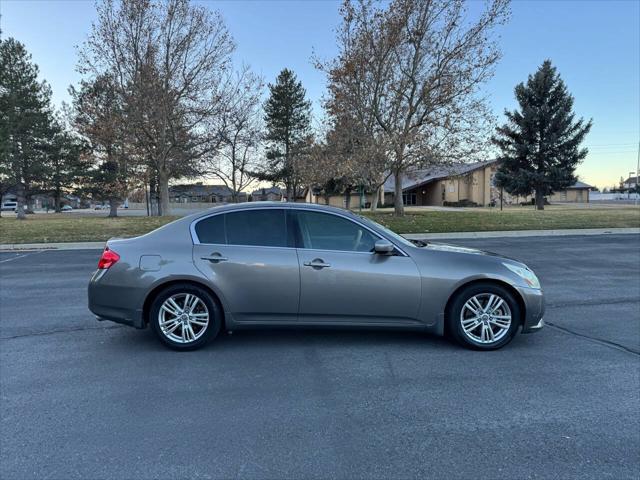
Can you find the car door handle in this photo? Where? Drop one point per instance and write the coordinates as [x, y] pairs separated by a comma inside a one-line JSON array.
[[215, 258], [317, 263]]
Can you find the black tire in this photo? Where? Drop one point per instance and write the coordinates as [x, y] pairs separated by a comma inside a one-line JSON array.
[[454, 320], [214, 320]]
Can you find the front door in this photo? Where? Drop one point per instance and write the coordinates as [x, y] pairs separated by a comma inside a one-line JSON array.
[[343, 281], [250, 260]]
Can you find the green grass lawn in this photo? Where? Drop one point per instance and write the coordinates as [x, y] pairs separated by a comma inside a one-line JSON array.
[[43, 228], [63, 227], [515, 218]]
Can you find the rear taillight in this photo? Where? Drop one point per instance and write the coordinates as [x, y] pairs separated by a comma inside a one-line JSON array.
[[108, 258]]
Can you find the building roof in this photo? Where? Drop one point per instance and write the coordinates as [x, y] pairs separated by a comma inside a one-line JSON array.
[[198, 189], [631, 180], [267, 191], [418, 177], [579, 186]]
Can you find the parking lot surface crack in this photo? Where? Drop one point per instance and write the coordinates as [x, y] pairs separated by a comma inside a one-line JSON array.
[[601, 341], [577, 303], [60, 330]]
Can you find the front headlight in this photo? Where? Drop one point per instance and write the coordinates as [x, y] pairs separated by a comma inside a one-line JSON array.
[[524, 273]]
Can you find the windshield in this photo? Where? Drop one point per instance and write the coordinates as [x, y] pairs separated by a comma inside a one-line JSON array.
[[390, 233]]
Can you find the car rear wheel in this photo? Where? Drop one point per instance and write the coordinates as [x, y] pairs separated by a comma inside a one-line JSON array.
[[185, 317], [484, 316]]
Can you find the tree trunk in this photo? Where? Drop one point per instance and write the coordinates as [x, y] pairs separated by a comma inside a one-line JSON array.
[[347, 198], [289, 192], [113, 207], [398, 204], [153, 195], [56, 199], [20, 198], [375, 198], [539, 200], [163, 187], [30, 205], [146, 199]]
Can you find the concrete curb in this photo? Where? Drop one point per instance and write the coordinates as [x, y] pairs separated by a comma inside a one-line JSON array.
[[523, 233], [412, 236]]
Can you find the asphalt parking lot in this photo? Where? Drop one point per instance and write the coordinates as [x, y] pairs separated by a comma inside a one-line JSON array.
[[82, 399]]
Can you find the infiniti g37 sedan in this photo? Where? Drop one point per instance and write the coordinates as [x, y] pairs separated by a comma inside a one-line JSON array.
[[277, 264]]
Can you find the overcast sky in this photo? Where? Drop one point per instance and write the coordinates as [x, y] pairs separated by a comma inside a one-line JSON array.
[[594, 44]]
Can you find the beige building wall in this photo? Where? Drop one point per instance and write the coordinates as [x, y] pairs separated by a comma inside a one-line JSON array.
[[571, 195], [479, 186], [474, 187], [340, 201], [433, 193]]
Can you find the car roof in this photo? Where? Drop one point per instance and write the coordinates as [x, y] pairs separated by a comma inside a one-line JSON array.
[[233, 207]]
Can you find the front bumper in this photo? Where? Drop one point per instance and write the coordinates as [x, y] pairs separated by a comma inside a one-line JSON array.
[[533, 299]]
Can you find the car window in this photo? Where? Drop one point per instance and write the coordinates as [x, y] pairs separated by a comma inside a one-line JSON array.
[[265, 228], [391, 233], [323, 231], [211, 230]]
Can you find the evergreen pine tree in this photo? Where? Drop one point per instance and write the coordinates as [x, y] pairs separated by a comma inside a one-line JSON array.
[[288, 122], [64, 163], [540, 143], [25, 117]]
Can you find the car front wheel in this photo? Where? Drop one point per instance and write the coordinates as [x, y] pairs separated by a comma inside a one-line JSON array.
[[484, 316], [184, 317]]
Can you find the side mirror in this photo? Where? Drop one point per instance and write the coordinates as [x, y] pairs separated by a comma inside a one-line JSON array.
[[383, 247]]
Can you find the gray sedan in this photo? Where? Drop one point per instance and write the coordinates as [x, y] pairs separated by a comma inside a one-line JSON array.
[[276, 264]]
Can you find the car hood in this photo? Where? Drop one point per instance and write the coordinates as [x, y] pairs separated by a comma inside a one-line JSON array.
[[445, 247]]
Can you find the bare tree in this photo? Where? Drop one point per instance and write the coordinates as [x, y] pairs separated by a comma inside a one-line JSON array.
[[345, 160], [238, 129], [168, 59], [97, 115], [410, 75]]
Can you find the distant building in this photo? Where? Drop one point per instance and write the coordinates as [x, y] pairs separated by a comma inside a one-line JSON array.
[[272, 194], [458, 184], [631, 182], [43, 201], [462, 184], [200, 193], [576, 193]]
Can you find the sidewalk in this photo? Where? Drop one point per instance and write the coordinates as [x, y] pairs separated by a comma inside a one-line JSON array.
[[522, 233], [411, 236]]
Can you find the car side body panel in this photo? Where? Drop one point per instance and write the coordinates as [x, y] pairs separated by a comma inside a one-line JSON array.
[[358, 288], [259, 284]]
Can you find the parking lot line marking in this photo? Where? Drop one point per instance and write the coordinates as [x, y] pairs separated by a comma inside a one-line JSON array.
[[21, 256]]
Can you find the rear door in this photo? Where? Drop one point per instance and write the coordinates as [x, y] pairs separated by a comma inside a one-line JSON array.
[[249, 257], [343, 281]]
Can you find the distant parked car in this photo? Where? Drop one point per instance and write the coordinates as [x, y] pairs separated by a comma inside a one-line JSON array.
[[66, 208], [9, 206], [101, 207], [264, 264]]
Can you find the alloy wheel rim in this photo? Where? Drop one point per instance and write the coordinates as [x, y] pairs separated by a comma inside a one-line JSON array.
[[183, 318], [485, 318]]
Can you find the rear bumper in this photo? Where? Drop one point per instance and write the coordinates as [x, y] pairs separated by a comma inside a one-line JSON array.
[[534, 309], [125, 318], [102, 305]]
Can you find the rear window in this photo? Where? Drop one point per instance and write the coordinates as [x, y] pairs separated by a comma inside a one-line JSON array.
[[211, 230], [265, 228]]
